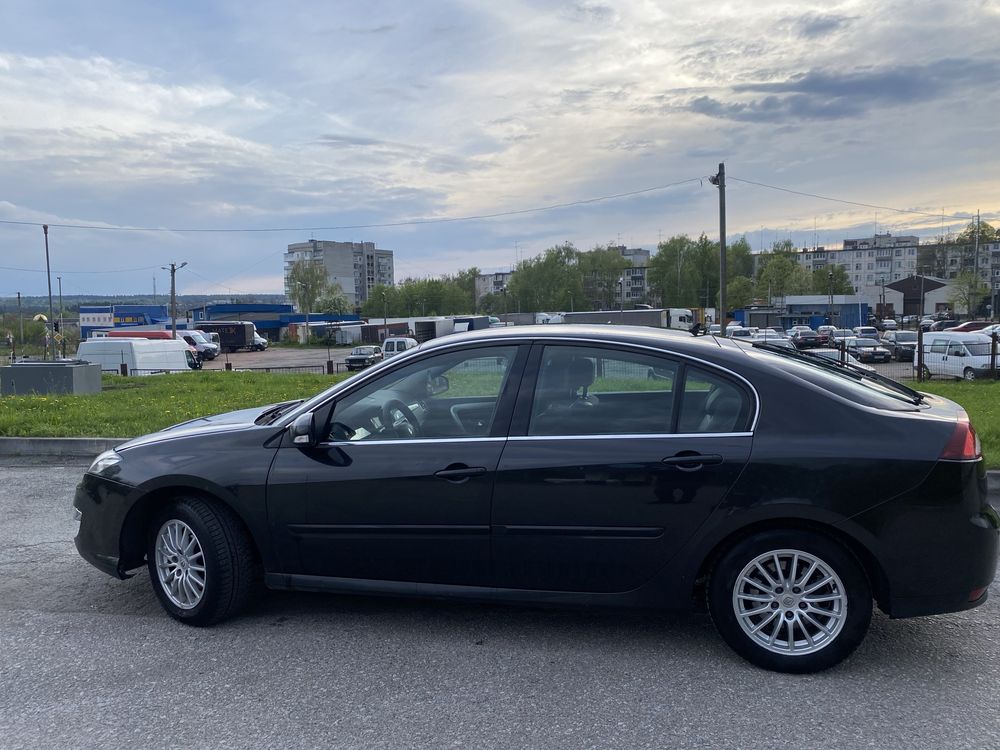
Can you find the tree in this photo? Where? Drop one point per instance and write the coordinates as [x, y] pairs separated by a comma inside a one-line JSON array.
[[821, 281], [668, 276], [307, 282], [600, 270], [987, 233], [547, 282], [333, 301], [740, 292], [968, 291]]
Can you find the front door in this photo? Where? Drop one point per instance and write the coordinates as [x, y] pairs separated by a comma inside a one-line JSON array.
[[401, 488]]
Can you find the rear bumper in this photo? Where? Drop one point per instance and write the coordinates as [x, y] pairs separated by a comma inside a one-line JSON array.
[[937, 544]]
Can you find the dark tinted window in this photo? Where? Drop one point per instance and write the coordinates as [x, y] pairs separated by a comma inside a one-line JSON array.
[[593, 391], [712, 404]]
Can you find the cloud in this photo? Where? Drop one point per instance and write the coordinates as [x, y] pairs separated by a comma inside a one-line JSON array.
[[834, 95], [813, 25]]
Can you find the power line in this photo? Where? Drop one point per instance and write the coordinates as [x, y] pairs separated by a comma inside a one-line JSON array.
[[850, 203], [412, 222], [54, 270]]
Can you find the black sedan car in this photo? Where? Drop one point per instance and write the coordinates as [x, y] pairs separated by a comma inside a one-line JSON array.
[[866, 349], [545, 465], [363, 356], [805, 338]]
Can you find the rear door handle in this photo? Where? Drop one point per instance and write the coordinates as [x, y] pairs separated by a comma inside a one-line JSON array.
[[693, 461], [460, 473]]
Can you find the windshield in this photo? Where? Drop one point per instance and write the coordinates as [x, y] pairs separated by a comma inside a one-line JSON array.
[[866, 343], [363, 350], [197, 337], [906, 336]]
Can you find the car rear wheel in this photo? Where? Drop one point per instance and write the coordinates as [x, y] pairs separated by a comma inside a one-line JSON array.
[[790, 601], [200, 561]]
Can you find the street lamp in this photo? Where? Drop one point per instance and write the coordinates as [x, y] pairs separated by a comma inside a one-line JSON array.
[[621, 297], [173, 268], [385, 312]]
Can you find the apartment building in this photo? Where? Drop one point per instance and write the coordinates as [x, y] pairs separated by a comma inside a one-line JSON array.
[[357, 266]]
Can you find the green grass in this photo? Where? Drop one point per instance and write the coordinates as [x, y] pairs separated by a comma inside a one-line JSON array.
[[981, 399], [134, 406]]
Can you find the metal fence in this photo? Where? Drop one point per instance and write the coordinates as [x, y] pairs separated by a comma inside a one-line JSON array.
[[936, 355]]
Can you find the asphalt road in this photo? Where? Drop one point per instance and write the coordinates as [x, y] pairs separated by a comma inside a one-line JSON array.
[[88, 661]]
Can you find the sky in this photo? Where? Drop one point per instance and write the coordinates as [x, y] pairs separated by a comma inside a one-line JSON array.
[[322, 120]]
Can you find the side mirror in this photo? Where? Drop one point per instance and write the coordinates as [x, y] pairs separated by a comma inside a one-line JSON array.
[[437, 384], [303, 431]]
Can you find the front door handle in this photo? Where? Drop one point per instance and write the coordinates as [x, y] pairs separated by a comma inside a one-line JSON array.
[[459, 473], [692, 461]]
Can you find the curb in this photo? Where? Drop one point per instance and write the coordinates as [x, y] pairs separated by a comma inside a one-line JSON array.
[[86, 447]]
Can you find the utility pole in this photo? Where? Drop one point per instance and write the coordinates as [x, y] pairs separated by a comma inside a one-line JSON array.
[[719, 180], [20, 322], [48, 273], [62, 328], [173, 268], [621, 298]]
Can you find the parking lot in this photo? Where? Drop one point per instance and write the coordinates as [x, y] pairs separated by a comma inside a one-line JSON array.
[[88, 661]]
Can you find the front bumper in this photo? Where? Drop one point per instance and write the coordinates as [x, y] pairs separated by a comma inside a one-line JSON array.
[[103, 506]]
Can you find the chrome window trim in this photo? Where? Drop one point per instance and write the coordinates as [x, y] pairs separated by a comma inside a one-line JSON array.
[[364, 376], [414, 441], [632, 436]]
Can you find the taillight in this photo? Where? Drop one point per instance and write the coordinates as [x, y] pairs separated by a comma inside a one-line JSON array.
[[964, 442]]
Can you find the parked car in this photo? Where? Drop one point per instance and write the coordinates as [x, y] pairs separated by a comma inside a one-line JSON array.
[[542, 465], [824, 333], [942, 325], [362, 357], [838, 336], [837, 356], [866, 350], [866, 332], [902, 345], [889, 324], [773, 340], [957, 354], [805, 338], [397, 345], [969, 326]]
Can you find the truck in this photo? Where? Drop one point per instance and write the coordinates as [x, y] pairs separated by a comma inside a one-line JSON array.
[[679, 318], [233, 334]]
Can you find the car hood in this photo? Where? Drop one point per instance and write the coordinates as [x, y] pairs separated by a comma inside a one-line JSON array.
[[226, 422]]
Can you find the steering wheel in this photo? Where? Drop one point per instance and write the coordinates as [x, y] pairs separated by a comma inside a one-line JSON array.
[[398, 417]]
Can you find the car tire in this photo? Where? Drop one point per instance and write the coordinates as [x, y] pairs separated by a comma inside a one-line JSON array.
[[827, 612], [969, 374], [200, 561]]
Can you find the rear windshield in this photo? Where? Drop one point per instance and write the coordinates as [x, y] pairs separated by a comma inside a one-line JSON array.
[[906, 336], [842, 383]]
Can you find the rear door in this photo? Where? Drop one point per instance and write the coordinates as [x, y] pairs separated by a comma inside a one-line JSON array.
[[616, 457]]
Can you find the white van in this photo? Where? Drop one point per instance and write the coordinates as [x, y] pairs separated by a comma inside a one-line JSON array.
[[957, 355], [143, 356], [396, 345]]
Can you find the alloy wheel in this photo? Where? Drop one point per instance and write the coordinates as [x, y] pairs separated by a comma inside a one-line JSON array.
[[180, 564], [790, 602]]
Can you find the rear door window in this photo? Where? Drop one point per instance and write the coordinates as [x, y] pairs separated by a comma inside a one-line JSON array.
[[712, 403]]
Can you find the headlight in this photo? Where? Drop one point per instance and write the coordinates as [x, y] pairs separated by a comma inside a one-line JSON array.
[[104, 463]]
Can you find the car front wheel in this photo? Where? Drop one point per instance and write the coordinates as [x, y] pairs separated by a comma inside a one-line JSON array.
[[200, 561], [790, 601], [969, 374]]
